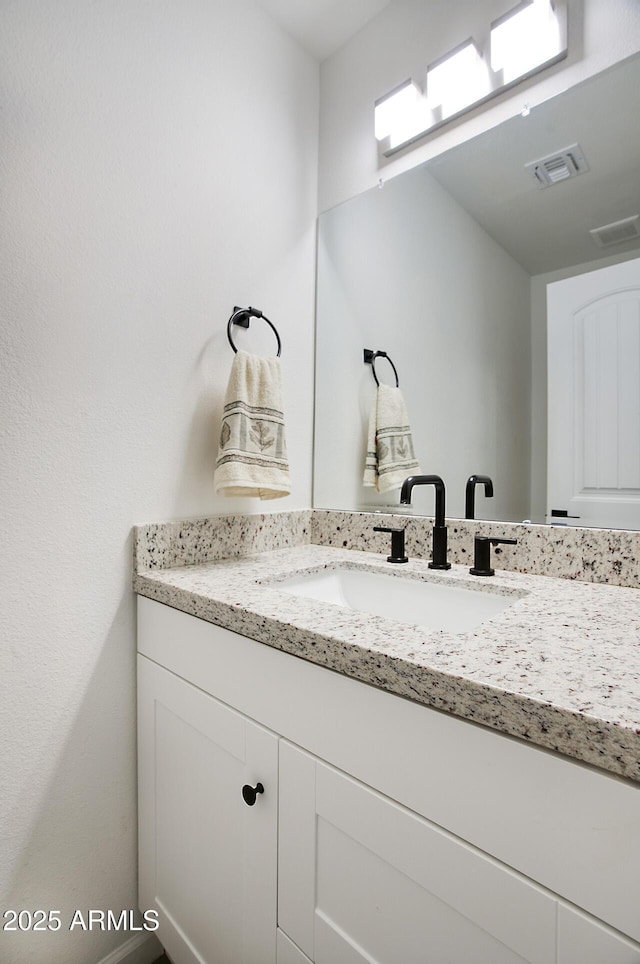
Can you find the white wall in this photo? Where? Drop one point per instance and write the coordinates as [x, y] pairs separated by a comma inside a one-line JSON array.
[[403, 39], [457, 330], [158, 166]]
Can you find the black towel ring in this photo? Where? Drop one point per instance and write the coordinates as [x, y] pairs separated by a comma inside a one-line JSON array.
[[242, 316], [370, 359]]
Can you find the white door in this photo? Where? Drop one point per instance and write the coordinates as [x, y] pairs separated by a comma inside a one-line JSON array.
[[363, 880], [593, 328], [208, 861]]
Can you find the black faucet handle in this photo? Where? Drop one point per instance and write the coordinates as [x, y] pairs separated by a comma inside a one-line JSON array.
[[397, 543], [482, 554]]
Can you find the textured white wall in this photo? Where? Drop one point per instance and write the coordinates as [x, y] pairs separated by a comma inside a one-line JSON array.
[[158, 166], [403, 39]]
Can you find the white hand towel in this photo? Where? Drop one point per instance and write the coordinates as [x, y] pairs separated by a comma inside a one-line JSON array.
[[252, 458], [390, 456]]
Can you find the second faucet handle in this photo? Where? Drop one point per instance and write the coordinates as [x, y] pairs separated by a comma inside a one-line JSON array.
[[397, 543], [482, 554]]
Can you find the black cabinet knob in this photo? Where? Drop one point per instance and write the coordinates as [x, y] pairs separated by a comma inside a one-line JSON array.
[[250, 793]]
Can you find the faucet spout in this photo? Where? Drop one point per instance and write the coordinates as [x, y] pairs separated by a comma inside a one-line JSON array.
[[470, 493], [435, 480], [439, 544]]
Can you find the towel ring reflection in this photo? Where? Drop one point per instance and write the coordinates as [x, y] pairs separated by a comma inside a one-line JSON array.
[[242, 316], [370, 359]]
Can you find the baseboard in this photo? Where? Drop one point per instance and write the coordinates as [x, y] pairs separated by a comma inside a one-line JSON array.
[[140, 949]]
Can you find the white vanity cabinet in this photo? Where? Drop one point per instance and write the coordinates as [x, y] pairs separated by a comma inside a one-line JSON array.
[[387, 831]]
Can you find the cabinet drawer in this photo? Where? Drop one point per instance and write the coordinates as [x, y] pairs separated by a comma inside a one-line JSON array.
[[583, 940], [372, 881], [288, 953]]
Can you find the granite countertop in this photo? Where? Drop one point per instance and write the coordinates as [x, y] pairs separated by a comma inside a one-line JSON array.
[[560, 667]]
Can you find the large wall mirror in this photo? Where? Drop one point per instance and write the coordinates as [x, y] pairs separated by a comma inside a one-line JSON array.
[[446, 268]]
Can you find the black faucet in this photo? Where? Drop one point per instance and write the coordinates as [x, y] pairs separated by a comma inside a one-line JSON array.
[[470, 493], [397, 543], [439, 554]]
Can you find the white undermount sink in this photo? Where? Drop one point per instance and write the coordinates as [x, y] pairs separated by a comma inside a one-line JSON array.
[[453, 609]]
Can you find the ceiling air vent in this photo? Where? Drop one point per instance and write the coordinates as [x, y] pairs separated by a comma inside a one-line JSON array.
[[618, 231], [569, 162]]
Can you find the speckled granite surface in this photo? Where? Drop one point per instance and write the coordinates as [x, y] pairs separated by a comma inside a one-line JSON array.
[[592, 555], [166, 544], [559, 668]]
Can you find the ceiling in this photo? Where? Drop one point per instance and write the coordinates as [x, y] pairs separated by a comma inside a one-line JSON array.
[[548, 228], [322, 26], [543, 228]]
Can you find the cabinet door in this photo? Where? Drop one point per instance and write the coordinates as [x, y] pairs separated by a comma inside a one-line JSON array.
[[208, 861], [583, 940], [288, 953], [362, 879]]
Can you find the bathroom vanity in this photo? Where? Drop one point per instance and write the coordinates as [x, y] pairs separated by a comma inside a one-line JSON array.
[[409, 794]]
